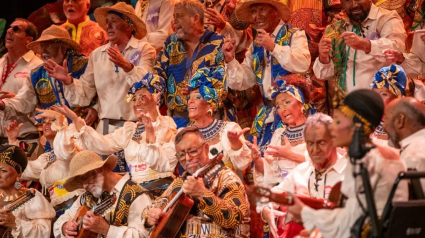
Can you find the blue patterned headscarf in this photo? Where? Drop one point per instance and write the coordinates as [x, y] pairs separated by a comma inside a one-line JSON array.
[[393, 77], [211, 83], [295, 92], [152, 83]]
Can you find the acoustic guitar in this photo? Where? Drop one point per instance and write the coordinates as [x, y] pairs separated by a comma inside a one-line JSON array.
[[5, 232], [98, 209], [177, 210], [264, 195]]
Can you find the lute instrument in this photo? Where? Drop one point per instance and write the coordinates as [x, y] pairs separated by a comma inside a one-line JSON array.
[[12, 206], [177, 210], [98, 209]]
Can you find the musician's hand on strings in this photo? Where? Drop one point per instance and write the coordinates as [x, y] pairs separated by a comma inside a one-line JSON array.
[[6, 94], [229, 47], [7, 219], [12, 131], [59, 72], [355, 42], [264, 39], [393, 56], [324, 49], [296, 209], [234, 138], [95, 223], [116, 57], [194, 187], [154, 214], [69, 229], [270, 216]]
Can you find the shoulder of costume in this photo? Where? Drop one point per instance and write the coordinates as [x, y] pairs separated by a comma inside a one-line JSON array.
[[36, 69]]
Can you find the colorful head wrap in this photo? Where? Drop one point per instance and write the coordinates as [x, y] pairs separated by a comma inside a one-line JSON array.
[[363, 106], [393, 77], [211, 87], [126, 19], [295, 92], [153, 83], [13, 156]]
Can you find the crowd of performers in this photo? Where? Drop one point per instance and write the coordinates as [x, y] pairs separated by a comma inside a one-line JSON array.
[[107, 125]]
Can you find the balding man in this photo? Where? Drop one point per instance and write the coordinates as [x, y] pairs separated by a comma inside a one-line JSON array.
[[405, 126]]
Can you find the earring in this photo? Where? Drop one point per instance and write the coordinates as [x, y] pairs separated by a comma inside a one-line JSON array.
[[303, 111], [210, 112], [18, 184]]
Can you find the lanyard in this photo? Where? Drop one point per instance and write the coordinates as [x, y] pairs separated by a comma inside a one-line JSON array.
[[355, 30]]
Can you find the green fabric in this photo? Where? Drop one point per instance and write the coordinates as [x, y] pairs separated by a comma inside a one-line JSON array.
[[2, 26], [338, 52]]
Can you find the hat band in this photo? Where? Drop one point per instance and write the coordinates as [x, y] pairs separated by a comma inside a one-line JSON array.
[[126, 19], [367, 126]]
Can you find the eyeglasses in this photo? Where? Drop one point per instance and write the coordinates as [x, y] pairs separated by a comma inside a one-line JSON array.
[[192, 152], [16, 28]]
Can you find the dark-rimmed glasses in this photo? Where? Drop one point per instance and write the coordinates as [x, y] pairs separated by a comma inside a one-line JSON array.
[[192, 152]]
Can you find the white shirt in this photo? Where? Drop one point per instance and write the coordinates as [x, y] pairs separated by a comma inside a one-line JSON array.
[[157, 16], [295, 59], [413, 152], [111, 87], [383, 166], [14, 82], [135, 227], [385, 30]]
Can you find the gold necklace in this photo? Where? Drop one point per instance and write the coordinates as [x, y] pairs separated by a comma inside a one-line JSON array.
[[9, 198]]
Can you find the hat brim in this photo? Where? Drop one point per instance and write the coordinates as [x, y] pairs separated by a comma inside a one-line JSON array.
[[243, 10], [101, 13], [70, 184], [36, 45]]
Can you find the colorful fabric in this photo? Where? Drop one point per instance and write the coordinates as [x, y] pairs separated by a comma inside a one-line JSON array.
[[14, 157], [283, 37], [128, 194], [282, 87], [393, 77], [176, 68], [211, 83], [152, 83]]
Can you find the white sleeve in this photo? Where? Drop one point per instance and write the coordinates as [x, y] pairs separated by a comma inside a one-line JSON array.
[[323, 71], [157, 38], [64, 146], [145, 65], [241, 76], [241, 158], [34, 167], [67, 216], [25, 101]]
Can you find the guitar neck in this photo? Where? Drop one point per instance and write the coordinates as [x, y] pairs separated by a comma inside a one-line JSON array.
[[315, 203], [15, 204]]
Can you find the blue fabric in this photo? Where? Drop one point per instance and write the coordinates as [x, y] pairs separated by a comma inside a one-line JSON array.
[[181, 122], [393, 77]]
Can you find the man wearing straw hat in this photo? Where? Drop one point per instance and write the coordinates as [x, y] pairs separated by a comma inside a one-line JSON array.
[[123, 219], [278, 49], [40, 87], [112, 68], [15, 66]]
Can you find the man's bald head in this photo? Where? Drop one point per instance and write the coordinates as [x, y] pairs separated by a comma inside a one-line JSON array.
[[403, 117]]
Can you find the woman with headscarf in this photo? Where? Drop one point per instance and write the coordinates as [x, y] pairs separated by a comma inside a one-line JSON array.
[[206, 97], [148, 144], [274, 159], [49, 169], [362, 110], [390, 83], [33, 218]]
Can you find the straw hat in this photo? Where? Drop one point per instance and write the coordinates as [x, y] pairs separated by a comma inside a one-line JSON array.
[[83, 162], [125, 9], [54, 33], [243, 12]]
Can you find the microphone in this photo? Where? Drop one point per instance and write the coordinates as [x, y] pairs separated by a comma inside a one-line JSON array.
[[214, 151]]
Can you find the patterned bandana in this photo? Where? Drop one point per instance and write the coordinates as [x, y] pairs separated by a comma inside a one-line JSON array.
[[152, 83], [295, 92], [211, 83], [392, 77], [126, 19], [13, 156]]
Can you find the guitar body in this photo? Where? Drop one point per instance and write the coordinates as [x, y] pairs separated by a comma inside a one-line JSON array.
[[171, 222], [83, 233], [292, 229]]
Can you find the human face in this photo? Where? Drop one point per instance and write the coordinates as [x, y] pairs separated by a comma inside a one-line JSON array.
[[197, 107], [76, 10], [47, 128], [341, 129], [289, 109], [264, 16], [184, 24], [53, 52], [139, 101], [16, 38], [188, 143], [386, 95], [8, 176], [389, 127], [92, 182], [357, 10], [319, 144], [118, 30]]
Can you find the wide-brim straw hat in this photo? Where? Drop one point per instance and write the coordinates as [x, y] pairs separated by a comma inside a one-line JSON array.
[[54, 34], [125, 9], [243, 11], [84, 162]]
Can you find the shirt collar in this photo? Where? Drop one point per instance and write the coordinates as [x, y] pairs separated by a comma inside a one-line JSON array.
[[277, 29], [373, 13], [339, 165], [119, 186], [415, 136], [28, 56], [133, 43], [67, 23]]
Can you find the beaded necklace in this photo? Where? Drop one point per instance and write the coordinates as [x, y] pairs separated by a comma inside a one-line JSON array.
[[139, 131], [211, 131], [7, 69], [294, 134], [51, 159]]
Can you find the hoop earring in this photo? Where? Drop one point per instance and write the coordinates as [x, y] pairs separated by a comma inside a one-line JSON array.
[[210, 112], [18, 184]]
